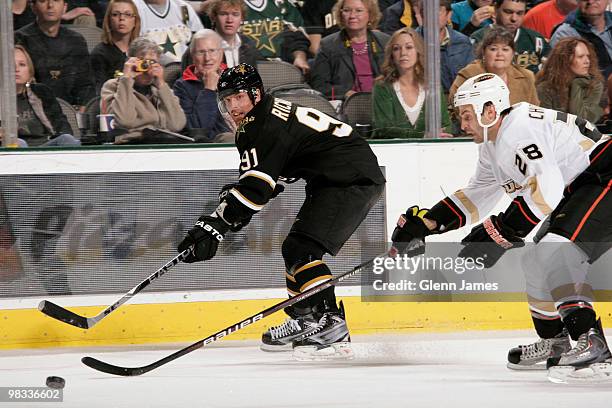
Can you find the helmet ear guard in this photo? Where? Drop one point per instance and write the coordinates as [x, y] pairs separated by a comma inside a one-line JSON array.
[[480, 90]]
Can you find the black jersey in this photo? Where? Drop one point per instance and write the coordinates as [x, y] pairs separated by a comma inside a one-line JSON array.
[[279, 139], [318, 17]]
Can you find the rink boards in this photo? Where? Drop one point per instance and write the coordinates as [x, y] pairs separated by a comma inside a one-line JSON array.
[[417, 173]]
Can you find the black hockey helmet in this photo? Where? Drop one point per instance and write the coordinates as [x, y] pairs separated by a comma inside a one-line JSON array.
[[240, 78]]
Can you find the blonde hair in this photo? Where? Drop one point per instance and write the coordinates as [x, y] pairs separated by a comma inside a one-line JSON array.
[[373, 12], [29, 62], [390, 73], [106, 27]]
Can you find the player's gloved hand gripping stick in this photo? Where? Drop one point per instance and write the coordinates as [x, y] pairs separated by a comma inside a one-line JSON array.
[[200, 244]]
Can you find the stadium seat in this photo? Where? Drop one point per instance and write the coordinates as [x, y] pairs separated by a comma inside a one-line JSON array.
[[172, 72], [309, 98], [93, 35], [71, 115], [357, 109], [277, 73]]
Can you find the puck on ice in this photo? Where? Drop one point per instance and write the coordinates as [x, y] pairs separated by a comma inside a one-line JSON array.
[[55, 382]]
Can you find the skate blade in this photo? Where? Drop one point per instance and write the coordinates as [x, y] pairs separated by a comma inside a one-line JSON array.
[[336, 351], [269, 348], [597, 373], [525, 367]]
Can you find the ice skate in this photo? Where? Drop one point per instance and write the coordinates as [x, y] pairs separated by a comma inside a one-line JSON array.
[[589, 361], [534, 356], [281, 337], [330, 339]]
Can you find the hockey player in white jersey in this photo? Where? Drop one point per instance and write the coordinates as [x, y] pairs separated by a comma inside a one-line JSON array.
[[552, 164]]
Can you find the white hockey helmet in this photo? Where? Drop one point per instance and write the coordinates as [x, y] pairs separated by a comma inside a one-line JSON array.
[[481, 89]]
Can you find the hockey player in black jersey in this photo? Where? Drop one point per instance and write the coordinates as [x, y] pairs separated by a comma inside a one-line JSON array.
[[276, 140]]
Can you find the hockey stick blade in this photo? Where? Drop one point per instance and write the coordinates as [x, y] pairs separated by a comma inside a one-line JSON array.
[[414, 249], [64, 315], [59, 313]]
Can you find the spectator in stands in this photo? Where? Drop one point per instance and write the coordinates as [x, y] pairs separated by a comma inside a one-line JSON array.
[[227, 17], [593, 23], [319, 21], [121, 26], [197, 89], [60, 55], [470, 15], [140, 98], [495, 55], [398, 98], [169, 24], [40, 119], [84, 12], [544, 17], [456, 50], [277, 27], [22, 14], [404, 13], [530, 47], [570, 80], [349, 60], [385, 4]]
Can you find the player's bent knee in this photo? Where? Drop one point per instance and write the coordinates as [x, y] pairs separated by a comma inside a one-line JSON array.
[[298, 250]]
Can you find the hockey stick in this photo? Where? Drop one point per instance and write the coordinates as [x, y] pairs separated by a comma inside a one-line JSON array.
[[133, 371], [59, 313]]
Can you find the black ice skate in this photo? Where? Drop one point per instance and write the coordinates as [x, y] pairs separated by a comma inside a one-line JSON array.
[[330, 339], [280, 338], [534, 356], [589, 361]]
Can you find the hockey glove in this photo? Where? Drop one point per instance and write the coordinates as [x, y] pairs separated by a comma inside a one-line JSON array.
[[410, 227], [489, 241], [204, 238]]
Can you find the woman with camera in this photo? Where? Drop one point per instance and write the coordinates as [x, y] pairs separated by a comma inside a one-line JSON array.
[[141, 101]]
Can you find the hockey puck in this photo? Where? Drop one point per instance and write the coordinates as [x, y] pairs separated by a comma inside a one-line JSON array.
[[55, 382]]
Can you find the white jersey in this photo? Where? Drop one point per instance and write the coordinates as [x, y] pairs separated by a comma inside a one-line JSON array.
[[171, 27], [537, 153]]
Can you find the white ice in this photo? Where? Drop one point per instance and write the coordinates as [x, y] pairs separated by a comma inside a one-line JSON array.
[[424, 370]]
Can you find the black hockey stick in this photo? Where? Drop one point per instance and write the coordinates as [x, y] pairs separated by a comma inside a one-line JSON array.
[[59, 313], [415, 248]]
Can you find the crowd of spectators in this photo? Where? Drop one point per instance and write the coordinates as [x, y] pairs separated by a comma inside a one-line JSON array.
[[552, 53]]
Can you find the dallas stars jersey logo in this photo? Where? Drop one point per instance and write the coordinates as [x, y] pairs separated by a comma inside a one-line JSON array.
[[264, 32], [243, 123]]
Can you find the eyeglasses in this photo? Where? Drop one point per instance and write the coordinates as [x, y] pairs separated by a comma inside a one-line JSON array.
[[117, 14], [357, 12], [200, 53]]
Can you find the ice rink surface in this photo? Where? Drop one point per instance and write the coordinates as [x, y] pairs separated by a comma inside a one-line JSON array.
[[422, 370]]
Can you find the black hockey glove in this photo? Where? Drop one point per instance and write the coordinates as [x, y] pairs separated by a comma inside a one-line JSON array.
[[489, 241], [410, 227], [204, 238]]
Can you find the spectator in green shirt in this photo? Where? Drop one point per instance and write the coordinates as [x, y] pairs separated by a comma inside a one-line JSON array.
[[398, 97]]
